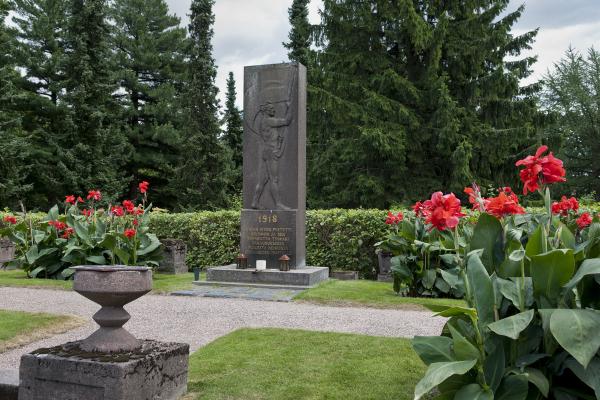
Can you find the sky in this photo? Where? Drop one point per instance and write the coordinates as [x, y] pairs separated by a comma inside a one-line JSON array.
[[251, 32]]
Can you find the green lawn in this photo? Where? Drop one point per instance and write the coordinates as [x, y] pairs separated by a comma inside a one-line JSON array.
[[278, 364], [19, 328], [163, 283], [367, 293]]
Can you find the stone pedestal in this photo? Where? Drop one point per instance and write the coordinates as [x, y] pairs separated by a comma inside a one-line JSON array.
[[174, 251], [384, 274], [7, 251], [157, 371], [301, 277]]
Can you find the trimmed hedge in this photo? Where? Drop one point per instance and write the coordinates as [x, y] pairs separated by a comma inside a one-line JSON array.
[[338, 239]]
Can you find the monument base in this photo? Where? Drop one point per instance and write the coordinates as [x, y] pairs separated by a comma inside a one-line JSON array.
[[302, 277], [156, 371]]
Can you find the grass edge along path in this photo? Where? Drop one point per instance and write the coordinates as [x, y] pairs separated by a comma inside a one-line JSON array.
[[365, 293], [284, 364], [18, 328], [162, 283]]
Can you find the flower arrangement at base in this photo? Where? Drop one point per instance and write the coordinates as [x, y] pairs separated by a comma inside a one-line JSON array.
[[84, 234]]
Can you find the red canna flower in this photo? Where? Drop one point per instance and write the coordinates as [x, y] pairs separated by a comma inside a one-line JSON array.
[[87, 213], [137, 211], [394, 219], [10, 219], [420, 210], [129, 206], [59, 226], [540, 170], [444, 211], [477, 201], [129, 233], [70, 199], [506, 203], [143, 187], [135, 222], [68, 233], [117, 211], [565, 205], [94, 195], [80, 200], [584, 220]]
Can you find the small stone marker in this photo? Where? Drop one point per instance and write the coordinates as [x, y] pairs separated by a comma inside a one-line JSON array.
[[7, 251], [274, 194], [174, 251]]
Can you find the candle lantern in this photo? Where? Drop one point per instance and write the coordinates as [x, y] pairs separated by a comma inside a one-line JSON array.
[[242, 261], [284, 263]]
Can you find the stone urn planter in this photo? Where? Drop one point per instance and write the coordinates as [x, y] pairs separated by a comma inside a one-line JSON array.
[[112, 287]]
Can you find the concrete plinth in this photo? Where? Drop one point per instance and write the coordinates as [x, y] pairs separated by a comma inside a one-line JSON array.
[[304, 277], [9, 384], [158, 371]]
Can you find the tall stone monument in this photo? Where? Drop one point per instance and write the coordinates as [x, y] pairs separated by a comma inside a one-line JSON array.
[[273, 218], [274, 200]]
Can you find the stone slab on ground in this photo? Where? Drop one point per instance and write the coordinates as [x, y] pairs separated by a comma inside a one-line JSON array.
[[158, 371], [9, 384], [241, 292], [307, 277]]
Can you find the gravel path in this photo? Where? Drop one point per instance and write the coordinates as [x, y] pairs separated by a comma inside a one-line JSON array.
[[200, 320]]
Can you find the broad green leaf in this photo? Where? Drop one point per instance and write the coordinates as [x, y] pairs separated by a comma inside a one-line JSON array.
[[473, 392], [432, 349], [590, 375], [439, 372], [512, 290], [99, 260], [537, 377], [588, 267], [577, 331], [429, 278], [452, 279], [482, 290], [487, 233], [567, 237], [122, 255], [53, 213], [82, 231], [32, 254], [37, 271], [454, 311], [513, 387], [535, 244], [550, 272], [494, 366], [153, 244], [463, 349], [512, 326], [39, 236]]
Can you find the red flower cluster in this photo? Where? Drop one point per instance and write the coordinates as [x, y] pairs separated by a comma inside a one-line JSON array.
[[70, 199], [540, 170], [59, 226], [94, 195], [475, 198], [394, 219], [117, 211], [68, 233], [420, 209], [129, 233], [443, 211], [10, 219], [565, 205], [506, 203], [584, 220], [87, 213], [143, 187]]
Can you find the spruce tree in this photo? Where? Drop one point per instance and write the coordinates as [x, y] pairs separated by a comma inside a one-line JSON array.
[[203, 175], [232, 118], [149, 45], [39, 53], [94, 150], [14, 146], [405, 101], [299, 36]]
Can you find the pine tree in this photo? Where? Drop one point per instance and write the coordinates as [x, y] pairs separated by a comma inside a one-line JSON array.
[[95, 149], [203, 176], [299, 36], [14, 146], [39, 53], [150, 62], [232, 118]]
